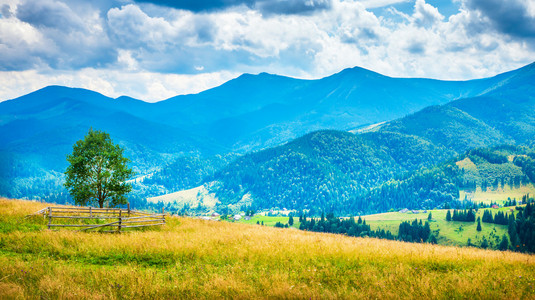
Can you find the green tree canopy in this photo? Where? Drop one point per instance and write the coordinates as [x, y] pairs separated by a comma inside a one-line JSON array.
[[98, 171]]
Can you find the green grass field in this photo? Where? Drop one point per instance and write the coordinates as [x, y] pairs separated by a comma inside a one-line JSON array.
[[191, 258], [498, 196], [269, 221], [447, 233]]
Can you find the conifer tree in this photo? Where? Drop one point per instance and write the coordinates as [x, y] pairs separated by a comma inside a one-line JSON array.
[[484, 243], [504, 244]]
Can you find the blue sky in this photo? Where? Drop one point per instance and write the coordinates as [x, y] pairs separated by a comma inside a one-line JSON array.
[[153, 50]]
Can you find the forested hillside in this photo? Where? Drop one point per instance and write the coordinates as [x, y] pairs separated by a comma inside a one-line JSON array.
[[323, 170], [181, 142], [483, 169], [408, 162]]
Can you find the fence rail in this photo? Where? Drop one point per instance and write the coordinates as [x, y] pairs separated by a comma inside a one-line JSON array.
[[118, 219]]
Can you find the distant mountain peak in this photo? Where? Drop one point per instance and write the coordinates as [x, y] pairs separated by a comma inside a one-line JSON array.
[[260, 76], [357, 72], [57, 92]]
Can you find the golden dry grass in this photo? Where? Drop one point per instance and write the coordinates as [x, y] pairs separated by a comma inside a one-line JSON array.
[[191, 258]]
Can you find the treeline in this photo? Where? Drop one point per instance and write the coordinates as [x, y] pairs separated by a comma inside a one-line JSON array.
[[424, 189], [489, 154], [500, 217], [347, 226], [503, 181], [344, 173], [521, 229], [416, 232], [527, 163], [467, 215], [510, 202]]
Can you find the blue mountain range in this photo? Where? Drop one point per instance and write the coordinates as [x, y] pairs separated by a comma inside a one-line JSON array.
[[248, 113]]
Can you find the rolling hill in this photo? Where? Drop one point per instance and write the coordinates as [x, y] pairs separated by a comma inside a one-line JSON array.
[[402, 163], [246, 114]]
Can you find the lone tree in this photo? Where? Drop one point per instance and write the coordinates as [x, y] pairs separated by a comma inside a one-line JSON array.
[[98, 171]]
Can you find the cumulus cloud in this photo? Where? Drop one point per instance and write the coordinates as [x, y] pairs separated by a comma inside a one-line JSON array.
[[380, 3], [289, 7], [137, 48], [200, 5], [426, 14], [130, 27], [20, 45], [515, 17], [267, 7], [47, 33], [48, 13]]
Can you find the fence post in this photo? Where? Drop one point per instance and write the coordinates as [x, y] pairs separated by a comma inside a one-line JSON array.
[[128, 205], [49, 216], [120, 221], [163, 215], [90, 211]]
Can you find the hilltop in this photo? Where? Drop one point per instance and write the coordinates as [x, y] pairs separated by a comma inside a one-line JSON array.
[[205, 259]]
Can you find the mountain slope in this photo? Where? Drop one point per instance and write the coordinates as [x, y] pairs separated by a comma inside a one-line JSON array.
[[248, 113], [255, 111], [397, 168]]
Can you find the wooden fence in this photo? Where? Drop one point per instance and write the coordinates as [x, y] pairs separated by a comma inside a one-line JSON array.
[[90, 218]]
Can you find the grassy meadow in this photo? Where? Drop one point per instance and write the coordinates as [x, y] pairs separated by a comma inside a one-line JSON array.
[[192, 258], [499, 195], [448, 233], [269, 221]]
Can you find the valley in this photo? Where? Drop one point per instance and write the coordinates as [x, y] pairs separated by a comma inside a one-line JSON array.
[[452, 144]]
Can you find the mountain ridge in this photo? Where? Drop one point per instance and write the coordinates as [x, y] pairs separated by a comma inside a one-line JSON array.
[[248, 113], [415, 144]]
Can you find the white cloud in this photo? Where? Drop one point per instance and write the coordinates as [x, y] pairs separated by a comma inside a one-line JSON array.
[[137, 49], [380, 3], [146, 86], [132, 28], [126, 60], [426, 14]]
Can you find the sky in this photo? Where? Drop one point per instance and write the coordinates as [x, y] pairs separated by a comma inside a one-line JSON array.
[[156, 49]]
